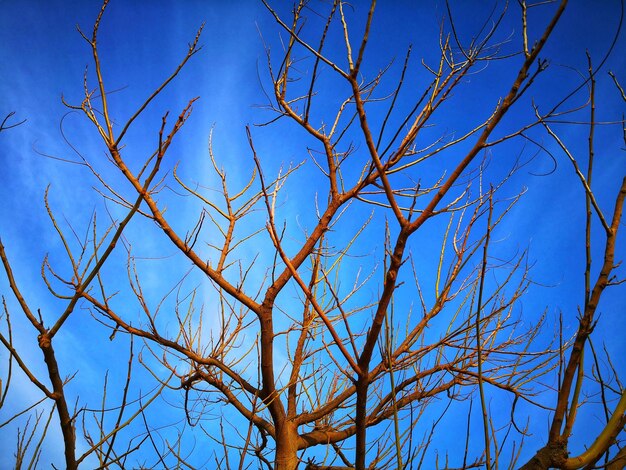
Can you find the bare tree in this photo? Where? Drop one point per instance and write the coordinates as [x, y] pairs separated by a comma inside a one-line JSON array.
[[343, 332], [86, 266], [572, 371]]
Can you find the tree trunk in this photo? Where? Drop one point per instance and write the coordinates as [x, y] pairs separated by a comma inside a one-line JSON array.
[[286, 446], [549, 456], [65, 418], [360, 422]]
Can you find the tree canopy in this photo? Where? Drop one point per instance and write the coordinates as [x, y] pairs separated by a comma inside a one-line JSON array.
[[321, 235]]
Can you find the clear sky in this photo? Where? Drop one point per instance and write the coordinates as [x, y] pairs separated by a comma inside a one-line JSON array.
[[43, 58]]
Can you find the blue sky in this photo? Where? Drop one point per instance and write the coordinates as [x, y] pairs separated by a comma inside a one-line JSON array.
[[42, 57]]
